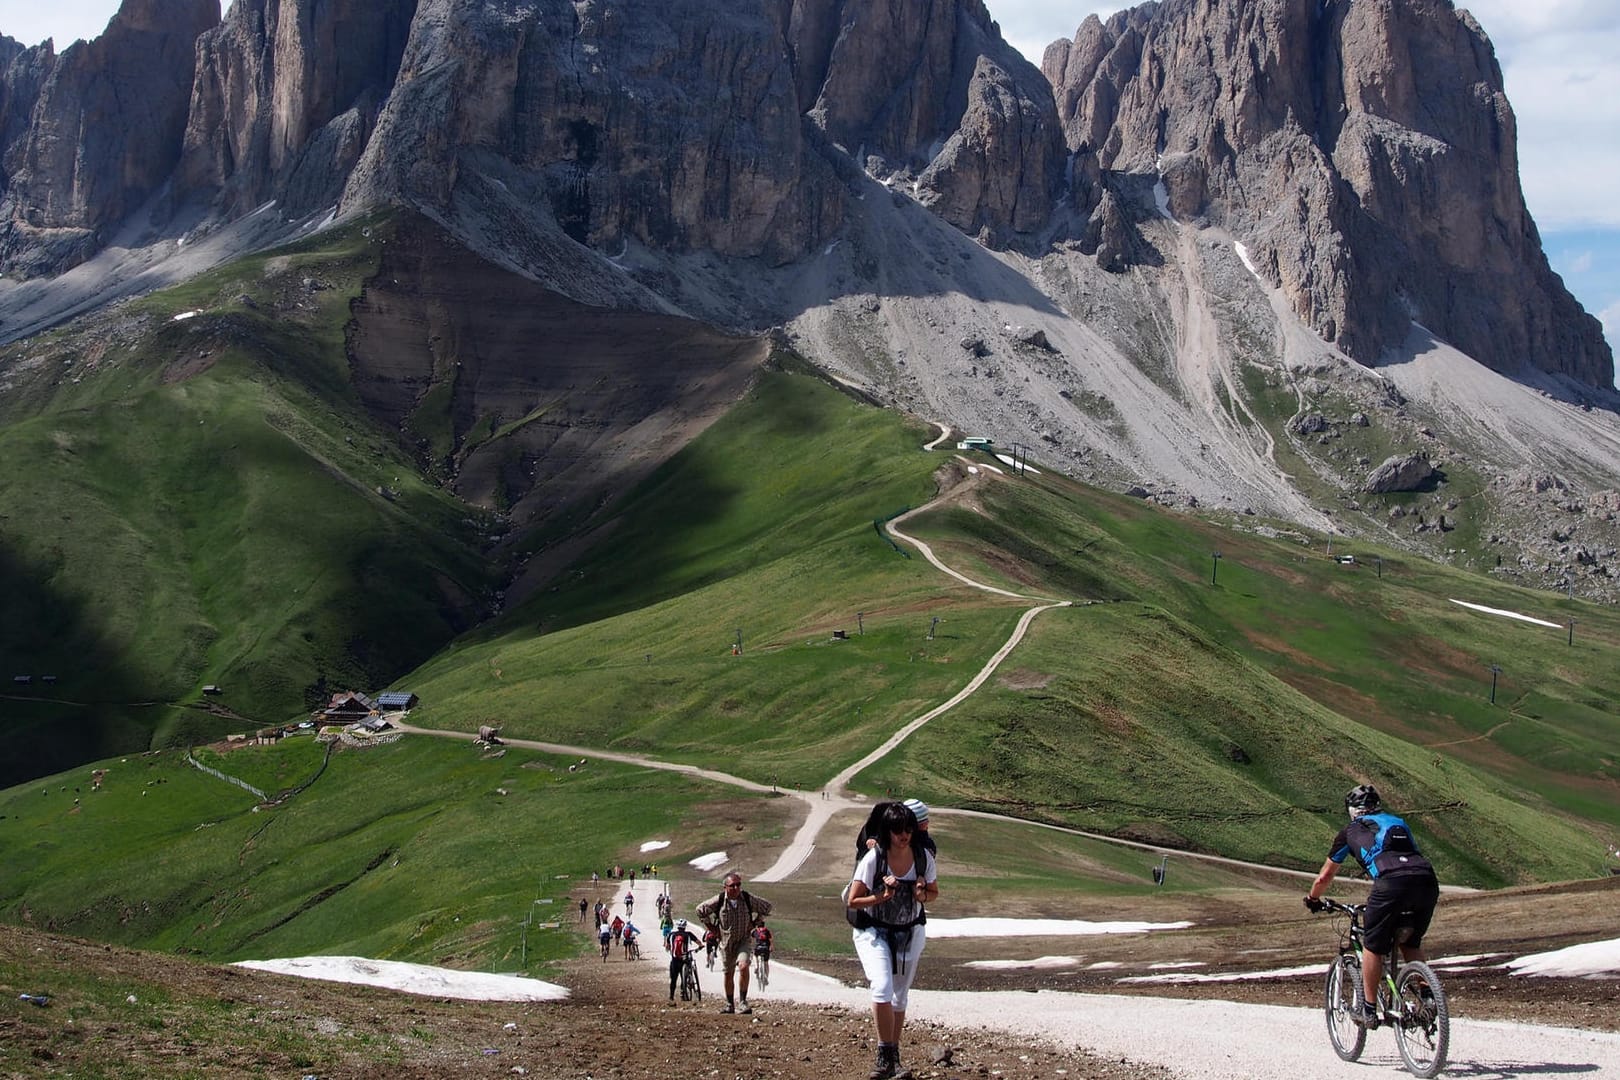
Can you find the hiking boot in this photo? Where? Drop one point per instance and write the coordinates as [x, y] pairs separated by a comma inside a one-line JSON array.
[[887, 1058], [900, 1071]]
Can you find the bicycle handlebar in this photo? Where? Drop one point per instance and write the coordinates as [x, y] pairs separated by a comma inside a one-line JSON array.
[[1337, 908]]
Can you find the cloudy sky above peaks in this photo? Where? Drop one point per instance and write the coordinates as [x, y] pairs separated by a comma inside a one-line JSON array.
[[1560, 60]]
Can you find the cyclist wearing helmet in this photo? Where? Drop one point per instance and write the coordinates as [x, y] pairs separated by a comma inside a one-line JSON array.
[[681, 942], [1404, 890]]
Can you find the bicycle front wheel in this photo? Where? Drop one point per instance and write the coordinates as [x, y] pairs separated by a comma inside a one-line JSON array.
[[697, 987], [1343, 988], [764, 971], [1423, 1029]]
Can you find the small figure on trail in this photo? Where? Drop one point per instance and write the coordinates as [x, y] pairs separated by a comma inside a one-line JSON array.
[[1404, 893], [617, 927], [681, 942], [582, 909], [762, 939], [731, 914], [892, 882], [629, 901]]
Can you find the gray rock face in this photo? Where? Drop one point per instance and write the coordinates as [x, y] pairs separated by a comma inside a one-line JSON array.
[[1364, 151], [892, 80], [682, 124], [1404, 472], [103, 133], [284, 96]]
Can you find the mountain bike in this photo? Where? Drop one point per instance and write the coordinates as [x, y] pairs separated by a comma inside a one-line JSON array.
[[632, 948], [1411, 1000], [762, 968], [607, 947], [690, 989]]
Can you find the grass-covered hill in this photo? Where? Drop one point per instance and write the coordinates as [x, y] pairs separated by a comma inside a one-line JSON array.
[[203, 506], [192, 497]]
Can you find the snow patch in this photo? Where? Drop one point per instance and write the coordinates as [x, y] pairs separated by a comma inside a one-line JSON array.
[[714, 860], [969, 928], [1010, 965], [184, 315], [654, 845], [1229, 976], [1593, 960], [1248, 261], [1507, 614], [418, 979]]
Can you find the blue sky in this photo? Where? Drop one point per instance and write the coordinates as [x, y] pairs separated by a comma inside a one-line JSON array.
[[1560, 60]]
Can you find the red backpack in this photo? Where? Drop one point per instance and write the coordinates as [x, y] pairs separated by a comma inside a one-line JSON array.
[[677, 944]]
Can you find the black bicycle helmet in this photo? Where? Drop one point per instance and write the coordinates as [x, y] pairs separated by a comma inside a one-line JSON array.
[[1364, 798]]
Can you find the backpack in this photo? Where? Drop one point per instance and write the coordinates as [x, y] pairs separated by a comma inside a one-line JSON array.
[[677, 944], [862, 918]]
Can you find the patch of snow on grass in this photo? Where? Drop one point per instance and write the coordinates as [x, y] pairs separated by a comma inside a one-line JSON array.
[[1006, 459], [714, 860], [184, 315], [973, 928], [1010, 965], [654, 845], [1229, 976], [1507, 614], [1593, 960], [414, 978]]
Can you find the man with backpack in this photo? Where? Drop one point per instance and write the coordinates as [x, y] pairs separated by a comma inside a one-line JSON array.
[[732, 915]]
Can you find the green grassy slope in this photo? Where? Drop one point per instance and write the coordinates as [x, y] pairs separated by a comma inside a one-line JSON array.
[[202, 505], [424, 850]]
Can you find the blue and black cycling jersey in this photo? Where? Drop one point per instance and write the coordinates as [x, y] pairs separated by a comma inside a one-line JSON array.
[[1382, 844]]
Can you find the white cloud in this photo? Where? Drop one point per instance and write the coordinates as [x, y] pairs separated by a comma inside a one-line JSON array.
[[1610, 317]]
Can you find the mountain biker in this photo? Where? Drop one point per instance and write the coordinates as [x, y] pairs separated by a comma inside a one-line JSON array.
[[681, 942], [762, 939], [604, 937], [1404, 893], [631, 930], [629, 901]]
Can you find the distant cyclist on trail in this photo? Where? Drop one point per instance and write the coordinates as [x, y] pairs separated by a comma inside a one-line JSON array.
[[629, 901], [1405, 889]]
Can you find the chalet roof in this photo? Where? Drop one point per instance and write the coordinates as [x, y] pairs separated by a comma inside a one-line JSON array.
[[347, 696], [395, 699]]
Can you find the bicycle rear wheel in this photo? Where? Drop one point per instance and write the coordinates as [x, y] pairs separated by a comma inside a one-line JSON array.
[[1423, 1029], [764, 971], [1343, 988]]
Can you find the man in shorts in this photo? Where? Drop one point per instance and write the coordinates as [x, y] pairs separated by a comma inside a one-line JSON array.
[[732, 915], [1404, 893]]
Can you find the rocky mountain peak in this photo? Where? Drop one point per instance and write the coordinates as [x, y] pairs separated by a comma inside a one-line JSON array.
[[103, 132], [1363, 150]]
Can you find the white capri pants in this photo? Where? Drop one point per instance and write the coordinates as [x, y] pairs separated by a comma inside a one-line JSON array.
[[888, 985]]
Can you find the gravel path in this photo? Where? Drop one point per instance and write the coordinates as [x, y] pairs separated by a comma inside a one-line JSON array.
[[1221, 1040]]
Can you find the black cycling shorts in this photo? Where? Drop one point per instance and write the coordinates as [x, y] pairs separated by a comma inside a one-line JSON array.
[[1402, 900]]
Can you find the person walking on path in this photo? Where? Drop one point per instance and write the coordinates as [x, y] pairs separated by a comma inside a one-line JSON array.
[[732, 915], [892, 883]]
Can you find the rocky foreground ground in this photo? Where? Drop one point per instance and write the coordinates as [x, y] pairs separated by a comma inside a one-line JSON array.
[[190, 1019]]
